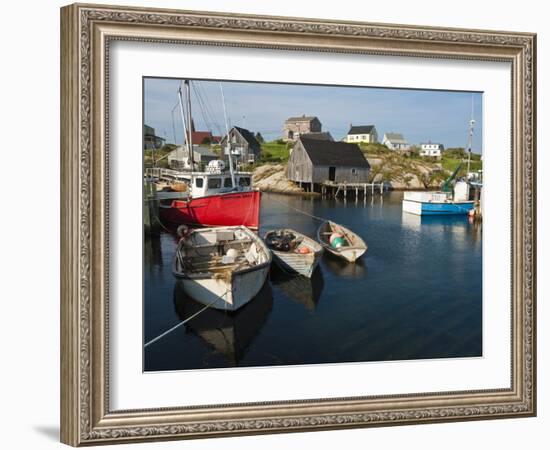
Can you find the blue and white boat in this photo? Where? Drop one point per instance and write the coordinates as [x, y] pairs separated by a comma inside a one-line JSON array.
[[452, 199], [436, 203]]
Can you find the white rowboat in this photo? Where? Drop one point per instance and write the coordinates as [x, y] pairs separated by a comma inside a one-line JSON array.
[[303, 255], [222, 267], [353, 248]]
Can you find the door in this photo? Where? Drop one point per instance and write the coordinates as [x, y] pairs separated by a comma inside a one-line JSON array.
[[332, 173]]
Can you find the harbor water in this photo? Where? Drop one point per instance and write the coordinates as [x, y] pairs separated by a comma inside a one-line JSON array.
[[415, 294]]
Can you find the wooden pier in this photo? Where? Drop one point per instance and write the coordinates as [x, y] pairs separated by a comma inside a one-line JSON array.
[[333, 189]]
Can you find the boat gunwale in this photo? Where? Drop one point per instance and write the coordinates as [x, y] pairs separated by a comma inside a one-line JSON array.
[[339, 251], [316, 251], [210, 275]]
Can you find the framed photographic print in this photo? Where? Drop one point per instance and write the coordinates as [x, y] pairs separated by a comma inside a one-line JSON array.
[[280, 224]]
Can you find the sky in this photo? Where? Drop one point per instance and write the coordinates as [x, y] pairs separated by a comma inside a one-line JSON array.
[[420, 115]]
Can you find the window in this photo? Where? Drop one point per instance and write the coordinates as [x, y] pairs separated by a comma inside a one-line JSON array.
[[199, 182], [354, 171], [227, 182], [214, 183], [244, 181]]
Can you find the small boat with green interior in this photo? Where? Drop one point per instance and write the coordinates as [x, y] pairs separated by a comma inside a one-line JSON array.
[[341, 241]]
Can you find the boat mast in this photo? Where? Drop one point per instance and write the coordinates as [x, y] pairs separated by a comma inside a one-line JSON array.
[[182, 112], [228, 145], [190, 125]]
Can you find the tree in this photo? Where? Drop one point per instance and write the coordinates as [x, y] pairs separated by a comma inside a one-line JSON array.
[[260, 138]]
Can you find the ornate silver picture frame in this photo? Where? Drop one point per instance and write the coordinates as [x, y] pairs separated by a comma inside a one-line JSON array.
[[87, 32]]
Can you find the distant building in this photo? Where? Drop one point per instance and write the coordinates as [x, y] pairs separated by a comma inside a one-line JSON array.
[[396, 141], [294, 127], [244, 146], [204, 138], [315, 161], [178, 159], [431, 149], [150, 139], [362, 133]]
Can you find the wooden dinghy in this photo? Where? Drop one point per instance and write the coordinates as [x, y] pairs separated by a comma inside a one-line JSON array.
[[293, 251], [341, 241], [223, 267]]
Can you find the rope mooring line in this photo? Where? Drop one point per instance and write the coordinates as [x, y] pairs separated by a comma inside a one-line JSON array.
[[321, 219], [183, 322]]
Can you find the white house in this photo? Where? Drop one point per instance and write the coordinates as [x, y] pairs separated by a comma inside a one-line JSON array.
[[395, 141], [178, 158], [431, 149], [362, 133]]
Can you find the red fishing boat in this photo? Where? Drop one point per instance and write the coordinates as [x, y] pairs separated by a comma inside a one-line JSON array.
[[212, 204], [216, 197]]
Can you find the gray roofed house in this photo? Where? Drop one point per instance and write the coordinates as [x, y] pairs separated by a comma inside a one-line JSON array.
[[294, 127], [302, 118], [396, 141], [150, 139], [316, 161], [362, 133], [179, 158], [244, 146]]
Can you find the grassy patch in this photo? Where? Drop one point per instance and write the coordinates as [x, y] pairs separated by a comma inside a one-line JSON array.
[[276, 151], [375, 149], [450, 164]]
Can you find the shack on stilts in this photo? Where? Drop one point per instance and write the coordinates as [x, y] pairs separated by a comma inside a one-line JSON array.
[[329, 167]]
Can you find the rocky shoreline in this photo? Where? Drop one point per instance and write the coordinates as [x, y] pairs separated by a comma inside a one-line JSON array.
[[272, 178]]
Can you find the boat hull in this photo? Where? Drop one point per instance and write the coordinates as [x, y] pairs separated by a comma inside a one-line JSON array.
[[294, 263], [348, 253], [437, 208], [297, 263], [228, 294], [219, 286], [225, 209]]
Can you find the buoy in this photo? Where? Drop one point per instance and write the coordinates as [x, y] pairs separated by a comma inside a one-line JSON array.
[[338, 242], [334, 236], [303, 250], [232, 253]]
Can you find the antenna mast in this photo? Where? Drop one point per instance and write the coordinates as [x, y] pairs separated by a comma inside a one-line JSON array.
[[190, 126], [182, 112], [228, 145], [470, 137]]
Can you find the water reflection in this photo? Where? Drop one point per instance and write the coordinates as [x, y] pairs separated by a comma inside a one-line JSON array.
[[452, 226], [415, 294], [152, 252], [299, 289], [228, 333], [344, 269]]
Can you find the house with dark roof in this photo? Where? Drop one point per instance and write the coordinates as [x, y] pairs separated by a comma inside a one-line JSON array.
[[320, 135], [150, 139], [294, 127], [245, 148], [315, 161], [362, 133]]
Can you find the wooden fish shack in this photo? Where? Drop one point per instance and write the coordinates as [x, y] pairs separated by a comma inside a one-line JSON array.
[[314, 163]]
